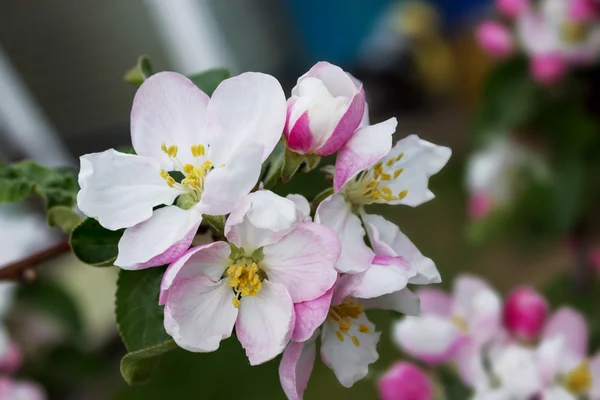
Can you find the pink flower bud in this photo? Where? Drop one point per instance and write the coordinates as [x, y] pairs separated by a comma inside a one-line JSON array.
[[405, 381], [11, 361], [480, 205], [548, 69], [582, 10], [326, 108], [525, 313], [495, 39], [511, 8]]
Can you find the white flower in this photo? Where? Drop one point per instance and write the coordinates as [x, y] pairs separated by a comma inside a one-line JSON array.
[[276, 260], [216, 144]]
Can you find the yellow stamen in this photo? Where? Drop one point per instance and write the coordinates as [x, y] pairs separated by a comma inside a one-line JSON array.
[[460, 323], [168, 178], [235, 301], [398, 172], [579, 379], [339, 336], [399, 157], [198, 150], [355, 341], [362, 328], [385, 176], [402, 194], [245, 281], [390, 162]]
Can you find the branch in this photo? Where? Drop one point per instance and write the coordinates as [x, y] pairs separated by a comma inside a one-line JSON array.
[[24, 270]]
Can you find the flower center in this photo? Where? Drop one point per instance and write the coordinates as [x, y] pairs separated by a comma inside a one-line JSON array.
[[245, 278], [460, 323], [573, 32], [194, 175], [371, 185], [344, 315], [579, 379]]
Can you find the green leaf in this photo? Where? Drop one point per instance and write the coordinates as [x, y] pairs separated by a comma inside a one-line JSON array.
[[139, 317], [138, 366], [140, 72], [94, 244], [216, 223], [14, 190], [320, 197], [63, 217], [208, 80], [271, 168], [48, 297]]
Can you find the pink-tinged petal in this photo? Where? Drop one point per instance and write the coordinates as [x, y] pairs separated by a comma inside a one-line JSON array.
[[304, 261], [227, 184], [265, 323], [480, 206], [120, 190], [299, 136], [11, 359], [168, 108], [583, 11], [387, 239], [295, 368], [594, 364], [302, 207], [20, 390], [435, 301], [199, 313], [403, 301], [479, 305], [261, 218], [347, 125], [367, 146], [557, 392], [405, 381], [511, 8], [385, 275], [495, 39], [336, 214], [572, 327], [310, 315], [420, 161], [209, 260], [469, 363], [349, 361], [247, 109], [429, 338], [160, 240], [548, 69], [552, 359], [338, 82], [525, 313]]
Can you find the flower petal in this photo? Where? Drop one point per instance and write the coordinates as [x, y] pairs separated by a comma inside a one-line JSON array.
[[295, 368], [298, 133], [385, 275], [160, 240], [349, 362], [259, 219], [572, 327], [310, 315], [199, 313], [247, 109], [227, 184], [420, 161], [403, 301], [304, 261], [336, 214], [595, 370], [11, 389], [338, 82], [387, 239], [168, 108], [469, 363], [209, 260], [363, 150], [120, 190], [265, 323], [302, 207], [435, 301], [429, 338]]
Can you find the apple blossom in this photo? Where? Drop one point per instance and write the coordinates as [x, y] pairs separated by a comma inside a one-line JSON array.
[[495, 39], [452, 327], [11, 389], [511, 8], [215, 144], [326, 108], [273, 260], [405, 381], [525, 312]]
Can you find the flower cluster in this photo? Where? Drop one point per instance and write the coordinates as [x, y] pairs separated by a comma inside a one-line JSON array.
[[514, 350], [556, 35], [285, 272]]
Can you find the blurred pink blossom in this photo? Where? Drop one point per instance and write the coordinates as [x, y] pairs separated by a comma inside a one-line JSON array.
[[525, 313], [495, 39], [405, 381], [511, 8]]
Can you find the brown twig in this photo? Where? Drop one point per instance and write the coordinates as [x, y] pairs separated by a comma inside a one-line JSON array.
[[24, 270]]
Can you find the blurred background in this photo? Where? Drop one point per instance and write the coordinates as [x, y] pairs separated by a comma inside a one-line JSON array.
[[62, 95]]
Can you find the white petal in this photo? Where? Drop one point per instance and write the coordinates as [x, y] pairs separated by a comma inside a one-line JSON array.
[[265, 323], [429, 338], [304, 261], [302, 207], [209, 260], [168, 108], [120, 190], [404, 301], [349, 362], [557, 393], [226, 185], [338, 82], [160, 240], [420, 161], [296, 366], [259, 219], [572, 327], [336, 214], [516, 368], [199, 313], [247, 109], [387, 239]]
